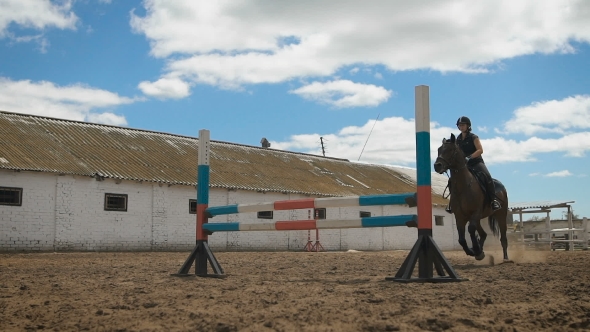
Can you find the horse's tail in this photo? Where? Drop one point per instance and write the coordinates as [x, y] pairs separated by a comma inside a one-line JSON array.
[[494, 225]]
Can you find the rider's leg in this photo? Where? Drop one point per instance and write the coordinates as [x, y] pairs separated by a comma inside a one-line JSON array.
[[492, 195], [490, 188]]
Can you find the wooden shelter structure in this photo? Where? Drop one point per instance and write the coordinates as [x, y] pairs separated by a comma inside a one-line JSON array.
[[570, 235]]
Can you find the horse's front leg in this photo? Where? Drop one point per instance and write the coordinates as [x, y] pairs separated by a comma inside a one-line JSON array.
[[462, 240], [477, 249]]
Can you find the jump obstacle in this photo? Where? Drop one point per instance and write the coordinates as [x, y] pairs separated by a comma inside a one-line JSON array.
[[425, 252]]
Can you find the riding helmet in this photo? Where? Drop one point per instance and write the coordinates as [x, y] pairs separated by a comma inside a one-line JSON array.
[[465, 120]]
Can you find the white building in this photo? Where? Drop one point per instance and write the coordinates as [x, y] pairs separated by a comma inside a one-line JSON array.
[[67, 185]]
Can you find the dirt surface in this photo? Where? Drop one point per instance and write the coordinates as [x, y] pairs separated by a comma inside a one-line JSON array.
[[334, 291]]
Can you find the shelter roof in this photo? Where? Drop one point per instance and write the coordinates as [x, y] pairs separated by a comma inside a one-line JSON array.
[[35, 143], [539, 205]]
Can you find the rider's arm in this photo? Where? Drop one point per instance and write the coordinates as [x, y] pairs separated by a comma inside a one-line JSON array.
[[478, 148]]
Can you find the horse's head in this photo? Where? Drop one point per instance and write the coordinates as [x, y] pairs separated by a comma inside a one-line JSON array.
[[449, 156]]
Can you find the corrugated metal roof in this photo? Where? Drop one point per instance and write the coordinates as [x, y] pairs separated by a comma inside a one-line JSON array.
[[438, 181], [44, 144], [539, 205]]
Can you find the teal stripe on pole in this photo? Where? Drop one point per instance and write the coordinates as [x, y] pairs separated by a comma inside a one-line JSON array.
[[388, 221], [203, 184], [219, 210], [391, 199], [423, 159], [222, 227]]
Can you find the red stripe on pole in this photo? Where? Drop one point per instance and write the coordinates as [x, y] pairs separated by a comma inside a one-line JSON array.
[[307, 203], [295, 225], [201, 219], [424, 207]]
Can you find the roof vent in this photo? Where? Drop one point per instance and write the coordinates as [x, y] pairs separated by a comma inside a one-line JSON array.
[[265, 143]]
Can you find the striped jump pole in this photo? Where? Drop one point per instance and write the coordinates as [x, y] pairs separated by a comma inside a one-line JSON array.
[[202, 254], [425, 251], [314, 203], [296, 225]]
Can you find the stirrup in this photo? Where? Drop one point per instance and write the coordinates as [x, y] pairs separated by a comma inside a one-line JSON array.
[[496, 205]]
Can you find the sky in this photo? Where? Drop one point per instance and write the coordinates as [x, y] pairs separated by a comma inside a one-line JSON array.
[[343, 71]]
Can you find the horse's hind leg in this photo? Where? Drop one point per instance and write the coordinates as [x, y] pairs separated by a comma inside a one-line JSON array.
[[482, 235], [504, 238], [477, 249]]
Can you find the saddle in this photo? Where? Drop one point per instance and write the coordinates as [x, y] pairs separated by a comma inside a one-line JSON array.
[[481, 180]]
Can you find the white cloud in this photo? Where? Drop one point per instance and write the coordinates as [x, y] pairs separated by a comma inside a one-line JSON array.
[[42, 42], [36, 14], [344, 93], [354, 70], [74, 102], [553, 116], [378, 76], [560, 174], [232, 43], [107, 118], [571, 145], [165, 88], [483, 129], [393, 142]]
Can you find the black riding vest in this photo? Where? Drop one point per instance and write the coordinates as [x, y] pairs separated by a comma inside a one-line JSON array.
[[467, 145]]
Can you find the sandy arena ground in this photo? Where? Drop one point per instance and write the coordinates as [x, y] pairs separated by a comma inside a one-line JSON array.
[[293, 291]]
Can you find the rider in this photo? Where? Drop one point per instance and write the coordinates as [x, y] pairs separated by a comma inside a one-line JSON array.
[[472, 148]]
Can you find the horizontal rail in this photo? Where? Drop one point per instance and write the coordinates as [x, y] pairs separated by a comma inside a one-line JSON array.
[[313, 203], [382, 221]]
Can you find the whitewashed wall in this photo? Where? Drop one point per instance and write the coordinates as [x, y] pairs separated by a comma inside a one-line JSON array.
[[65, 212]]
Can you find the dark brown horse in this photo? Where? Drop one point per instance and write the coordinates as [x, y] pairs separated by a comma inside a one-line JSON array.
[[469, 203]]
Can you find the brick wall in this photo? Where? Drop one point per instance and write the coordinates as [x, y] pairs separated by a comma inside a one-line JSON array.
[[65, 212]]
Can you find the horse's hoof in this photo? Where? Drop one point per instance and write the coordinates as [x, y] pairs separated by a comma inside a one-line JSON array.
[[480, 256], [507, 261]]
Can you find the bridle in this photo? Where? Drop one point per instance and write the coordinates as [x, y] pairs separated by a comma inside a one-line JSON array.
[[447, 164], [447, 167]]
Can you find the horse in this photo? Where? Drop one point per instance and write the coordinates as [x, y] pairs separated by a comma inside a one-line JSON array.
[[469, 202]]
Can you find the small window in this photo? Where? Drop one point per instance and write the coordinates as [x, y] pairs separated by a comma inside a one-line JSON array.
[[439, 220], [192, 206], [265, 214], [365, 214], [11, 196], [115, 202], [320, 213]]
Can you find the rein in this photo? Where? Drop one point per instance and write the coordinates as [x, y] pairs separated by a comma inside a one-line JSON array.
[[456, 170]]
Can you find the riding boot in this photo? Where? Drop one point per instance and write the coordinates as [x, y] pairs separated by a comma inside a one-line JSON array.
[[492, 195]]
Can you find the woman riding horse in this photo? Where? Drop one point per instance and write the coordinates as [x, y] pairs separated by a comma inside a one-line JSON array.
[[472, 148], [468, 199]]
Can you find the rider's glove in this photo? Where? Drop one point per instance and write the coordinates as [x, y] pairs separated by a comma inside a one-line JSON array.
[[467, 158]]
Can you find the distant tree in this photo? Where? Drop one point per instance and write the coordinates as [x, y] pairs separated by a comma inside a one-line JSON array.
[[574, 216], [536, 218]]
